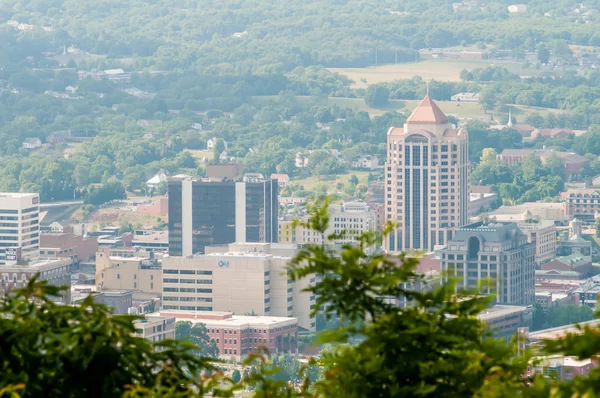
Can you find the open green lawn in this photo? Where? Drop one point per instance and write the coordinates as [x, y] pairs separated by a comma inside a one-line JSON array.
[[199, 154], [431, 69], [523, 110], [310, 182]]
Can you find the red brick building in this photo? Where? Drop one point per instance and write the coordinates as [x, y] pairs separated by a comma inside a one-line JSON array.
[[67, 245], [237, 336]]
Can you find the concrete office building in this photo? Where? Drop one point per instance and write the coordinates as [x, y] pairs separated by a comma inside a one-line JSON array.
[[426, 180], [495, 251], [155, 328], [543, 234], [16, 275], [353, 218], [239, 335], [205, 212], [241, 278], [138, 273], [20, 232]]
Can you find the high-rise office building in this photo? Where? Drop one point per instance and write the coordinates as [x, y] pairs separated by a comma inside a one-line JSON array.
[[498, 252], [204, 213], [20, 232], [426, 179]]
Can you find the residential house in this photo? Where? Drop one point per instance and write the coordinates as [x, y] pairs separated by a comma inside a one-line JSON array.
[[369, 162], [32, 143], [282, 179], [211, 142], [155, 181], [524, 129], [553, 133], [465, 97], [302, 159], [59, 136]]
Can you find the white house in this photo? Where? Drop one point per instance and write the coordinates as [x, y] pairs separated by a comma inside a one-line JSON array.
[[210, 143], [32, 143], [369, 162], [465, 97], [302, 159], [159, 177], [282, 179], [517, 8]]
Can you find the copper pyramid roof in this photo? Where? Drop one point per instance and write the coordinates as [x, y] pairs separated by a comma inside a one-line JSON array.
[[427, 112]]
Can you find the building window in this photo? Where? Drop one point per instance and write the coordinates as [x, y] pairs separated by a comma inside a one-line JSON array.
[[118, 276]]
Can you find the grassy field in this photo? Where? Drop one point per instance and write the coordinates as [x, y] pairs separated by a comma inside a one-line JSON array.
[[460, 109], [436, 69], [310, 182], [526, 110], [199, 154]]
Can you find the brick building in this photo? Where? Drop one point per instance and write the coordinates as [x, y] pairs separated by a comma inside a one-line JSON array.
[[237, 335]]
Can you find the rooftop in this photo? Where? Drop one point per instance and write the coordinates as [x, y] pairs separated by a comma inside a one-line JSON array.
[[558, 332], [499, 311], [427, 112], [224, 319]]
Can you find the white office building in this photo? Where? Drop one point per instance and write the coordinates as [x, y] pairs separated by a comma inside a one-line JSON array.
[[19, 227]]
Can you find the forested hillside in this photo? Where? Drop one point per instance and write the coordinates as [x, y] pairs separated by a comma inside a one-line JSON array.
[[241, 36]]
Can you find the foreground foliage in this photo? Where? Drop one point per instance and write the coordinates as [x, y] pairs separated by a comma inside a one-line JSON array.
[[435, 347]]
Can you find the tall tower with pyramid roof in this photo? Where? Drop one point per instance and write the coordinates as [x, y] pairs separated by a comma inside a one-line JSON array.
[[426, 180]]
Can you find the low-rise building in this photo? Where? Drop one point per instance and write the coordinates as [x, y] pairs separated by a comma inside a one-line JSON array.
[[576, 261], [347, 220], [481, 202], [130, 273], [239, 335], [32, 143], [582, 203], [57, 272], [505, 320], [68, 244], [543, 234], [573, 163], [151, 240], [560, 367], [556, 212], [155, 328], [369, 162], [465, 97], [240, 278], [159, 207], [282, 179], [588, 291]]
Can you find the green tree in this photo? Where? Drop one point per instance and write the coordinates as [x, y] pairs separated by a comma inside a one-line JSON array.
[[353, 179], [54, 350], [236, 376], [218, 149], [543, 53], [198, 335], [442, 327], [377, 96]]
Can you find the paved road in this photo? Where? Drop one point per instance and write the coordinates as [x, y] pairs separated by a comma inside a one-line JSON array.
[[48, 205]]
